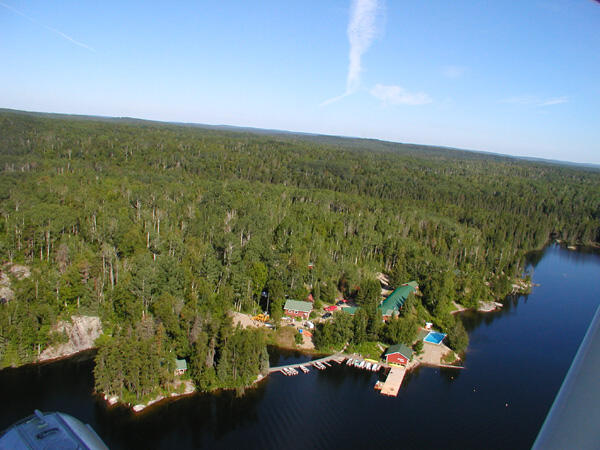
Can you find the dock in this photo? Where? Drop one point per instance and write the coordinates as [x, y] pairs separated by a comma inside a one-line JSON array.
[[338, 358], [394, 381]]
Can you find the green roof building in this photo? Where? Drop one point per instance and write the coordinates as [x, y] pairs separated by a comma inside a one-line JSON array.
[[396, 299], [297, 308], [180, 366], [398, 354], [350, 309]]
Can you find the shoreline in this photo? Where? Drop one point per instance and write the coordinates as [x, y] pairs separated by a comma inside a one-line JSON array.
[[113, 400], [307, 352], [42, 362], [519, 287]]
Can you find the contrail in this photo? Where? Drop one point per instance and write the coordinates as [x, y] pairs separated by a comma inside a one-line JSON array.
[[54, 30], [361, 32]]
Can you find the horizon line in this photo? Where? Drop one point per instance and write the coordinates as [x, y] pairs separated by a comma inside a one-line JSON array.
[[340, 136]]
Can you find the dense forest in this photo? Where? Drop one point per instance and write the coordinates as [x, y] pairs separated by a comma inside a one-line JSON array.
[[161, 229]]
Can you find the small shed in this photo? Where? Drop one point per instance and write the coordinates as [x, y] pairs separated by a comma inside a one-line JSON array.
[[180, 366], [330, 308], [398, 354], [350, 310], [297, 308]]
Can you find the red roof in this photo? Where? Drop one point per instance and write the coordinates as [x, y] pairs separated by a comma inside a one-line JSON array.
[[330, 308], [310, 298]]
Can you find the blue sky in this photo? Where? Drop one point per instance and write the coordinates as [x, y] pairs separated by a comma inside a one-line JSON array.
[[519, 78]]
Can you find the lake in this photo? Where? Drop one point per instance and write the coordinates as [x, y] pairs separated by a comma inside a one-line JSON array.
[[515, 364]]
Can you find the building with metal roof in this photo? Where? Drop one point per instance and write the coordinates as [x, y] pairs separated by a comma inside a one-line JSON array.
[[350, 309], [180, 366], [398, 354], [396, 299], [297, 308]]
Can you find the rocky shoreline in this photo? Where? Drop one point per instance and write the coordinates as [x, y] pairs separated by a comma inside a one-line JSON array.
[[81, 332]]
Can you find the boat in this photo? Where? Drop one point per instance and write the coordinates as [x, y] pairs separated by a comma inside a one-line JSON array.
[[304, 369], [368, 366], [375, 367], [361, 365], [356, 363], [349, 362], [327, 363]]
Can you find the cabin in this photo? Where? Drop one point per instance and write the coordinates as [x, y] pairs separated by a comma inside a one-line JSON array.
[[391, 306], [297, 308], [350, 310], [398, 354], [180, 366]]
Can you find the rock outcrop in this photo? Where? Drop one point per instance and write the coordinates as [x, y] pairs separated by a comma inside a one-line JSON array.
[[82, 333], [17, 271]]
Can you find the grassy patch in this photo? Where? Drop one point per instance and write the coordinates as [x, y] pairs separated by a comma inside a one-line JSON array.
[[449, 358], [285, 337]]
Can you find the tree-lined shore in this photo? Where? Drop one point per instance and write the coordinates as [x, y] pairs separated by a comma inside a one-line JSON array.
[[161, 229]]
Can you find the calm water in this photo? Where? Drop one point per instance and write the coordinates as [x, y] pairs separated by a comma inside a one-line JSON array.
[[515, 365]]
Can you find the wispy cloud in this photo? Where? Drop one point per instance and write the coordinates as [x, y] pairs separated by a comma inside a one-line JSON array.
[[53, 30], [555, 101], [397, 95], [535, 101], [453, 71], [361, 33]]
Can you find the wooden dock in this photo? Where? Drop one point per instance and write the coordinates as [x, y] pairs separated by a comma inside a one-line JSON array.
[[337, 357], [394, 381]]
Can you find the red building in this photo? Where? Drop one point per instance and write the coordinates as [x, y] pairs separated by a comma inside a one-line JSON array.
[[398, 354], [296, 308]]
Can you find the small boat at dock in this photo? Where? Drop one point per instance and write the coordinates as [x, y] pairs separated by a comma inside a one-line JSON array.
[[349, 362], [304, 369], [368, 366]]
